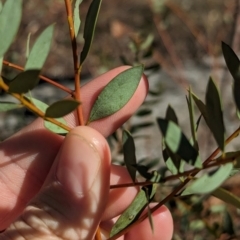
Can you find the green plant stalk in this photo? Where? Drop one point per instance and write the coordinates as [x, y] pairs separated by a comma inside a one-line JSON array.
[[77, 69], [32, 107], [62, 87]]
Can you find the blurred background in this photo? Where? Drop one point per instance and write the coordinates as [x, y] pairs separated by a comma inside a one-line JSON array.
[[179, 42]]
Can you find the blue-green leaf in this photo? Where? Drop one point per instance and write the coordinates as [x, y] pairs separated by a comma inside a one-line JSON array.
[[206, 184], [48, 125], [134, 210], [215, 114], [61, 108], [178, 143], [116, 93], [129, 153], [40, 49], [24, 81], [10, 18], [89, 28], [7, 106], [76, 17]]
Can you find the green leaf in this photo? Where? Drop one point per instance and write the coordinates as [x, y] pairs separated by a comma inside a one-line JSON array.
[[215, 114], [191, 117], [10, 18], [48, 125], [233, 65], [231, 60], [171, 115], [236, 93], [27, 45], [76, 17], [89, 28], [40, 49], [178, 143], [116, 93], [61, 108], [131, 213], [206, 184], [24, 81], [1, 64], [6, 106], [227, 197], [134, 210], [173, 162], [129, 153]]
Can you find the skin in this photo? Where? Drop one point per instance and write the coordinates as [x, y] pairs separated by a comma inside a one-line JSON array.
[[58, 188]]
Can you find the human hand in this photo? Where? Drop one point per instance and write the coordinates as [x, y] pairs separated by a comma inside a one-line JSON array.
[[58, 188]]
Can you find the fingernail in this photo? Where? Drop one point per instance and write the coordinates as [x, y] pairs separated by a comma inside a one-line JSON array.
[[78, 165]]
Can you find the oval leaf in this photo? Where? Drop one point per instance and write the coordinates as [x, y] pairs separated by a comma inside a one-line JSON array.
[[40, 49], [24, 81], [178, 143], [89, 28], [206, 183], [6, 106], [116, 93], [61, 108], [215, 114], [48, 125], [129, 153], [10, 18]]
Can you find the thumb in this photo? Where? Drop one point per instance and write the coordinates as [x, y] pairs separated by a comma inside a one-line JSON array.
[[71, 203]]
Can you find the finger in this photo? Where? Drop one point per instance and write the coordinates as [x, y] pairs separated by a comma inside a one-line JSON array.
[[119, 198], [27, 156], [162, 227], [74, 196]]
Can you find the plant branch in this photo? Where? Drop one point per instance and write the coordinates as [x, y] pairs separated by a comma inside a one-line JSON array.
[[77, 69], [28, 104], [178, 188], [67, 90]]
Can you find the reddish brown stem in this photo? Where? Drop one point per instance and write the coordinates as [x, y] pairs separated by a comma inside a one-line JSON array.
[[9, 64], [77, 70]]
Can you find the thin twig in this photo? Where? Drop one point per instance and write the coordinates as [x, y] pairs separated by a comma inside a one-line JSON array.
[[77, 70], [28, 104], [67, 90]]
